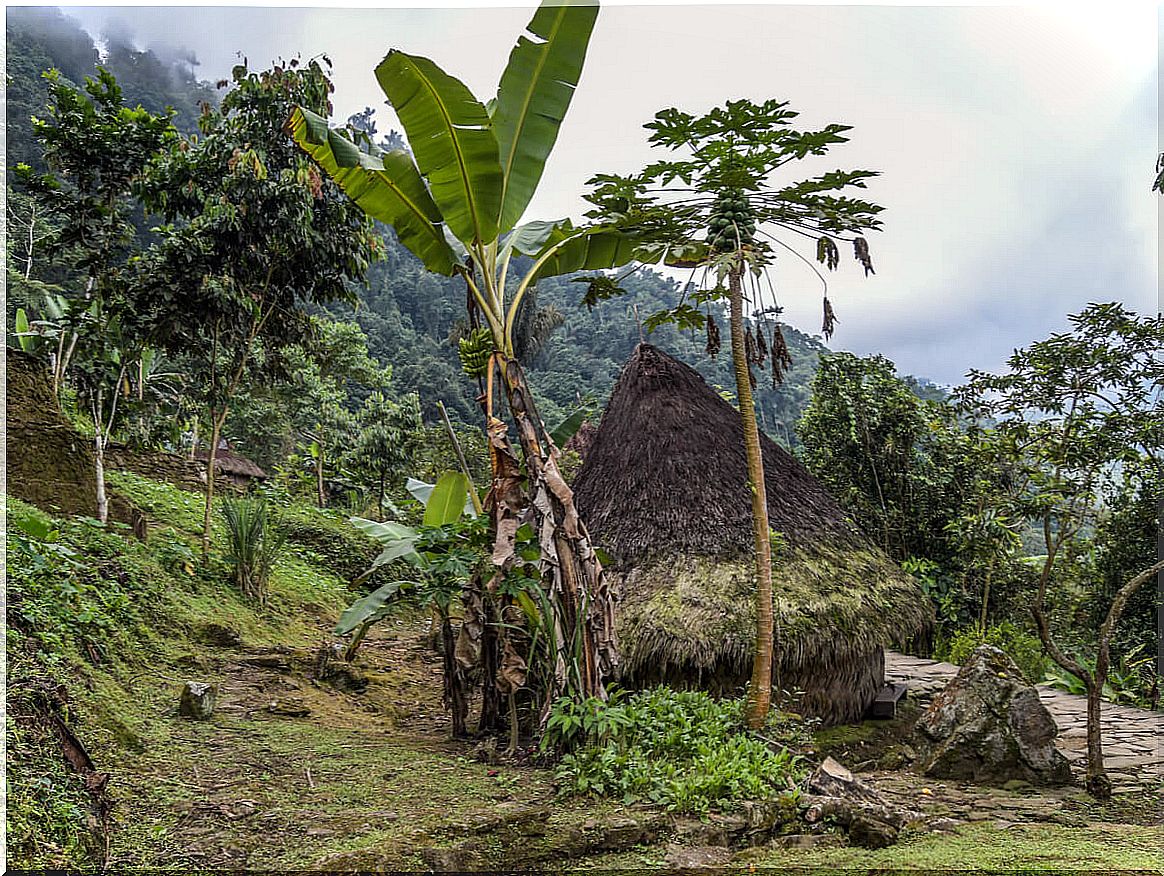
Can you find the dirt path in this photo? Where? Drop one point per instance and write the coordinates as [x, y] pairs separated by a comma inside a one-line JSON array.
[[1133, 738]]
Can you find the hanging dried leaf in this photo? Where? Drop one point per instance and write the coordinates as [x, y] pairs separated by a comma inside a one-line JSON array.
[[512, 673], [781, 358], [861, 254], [830, 320], [827, 253], [751, 354], [761, 346], [713, 340]]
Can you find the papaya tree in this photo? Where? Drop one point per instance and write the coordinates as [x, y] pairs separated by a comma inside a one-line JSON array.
[[725, 195], [455, 199]]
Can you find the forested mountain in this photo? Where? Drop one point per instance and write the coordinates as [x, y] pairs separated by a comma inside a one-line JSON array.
[[40, 38]]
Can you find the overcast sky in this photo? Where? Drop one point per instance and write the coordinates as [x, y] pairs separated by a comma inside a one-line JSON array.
[[1016, 145]]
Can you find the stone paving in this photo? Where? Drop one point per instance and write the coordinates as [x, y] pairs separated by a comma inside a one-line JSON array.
[[1133, 739]]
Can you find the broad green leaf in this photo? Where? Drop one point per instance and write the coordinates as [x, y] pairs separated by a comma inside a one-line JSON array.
[[452, 138], [529, 239], [368, 607], [598, 247], [446, 503], [386, 532], [532, 98], [421, 492], [566, 429], [22, 333], [387, 187]]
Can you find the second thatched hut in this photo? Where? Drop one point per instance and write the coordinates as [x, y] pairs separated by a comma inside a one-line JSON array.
[[663, 489]]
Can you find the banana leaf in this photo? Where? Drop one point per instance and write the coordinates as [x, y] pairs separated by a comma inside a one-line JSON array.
[[452, 139], [387, 187], [532, 98]]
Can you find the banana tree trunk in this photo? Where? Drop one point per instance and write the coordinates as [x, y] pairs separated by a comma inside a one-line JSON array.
[[760, 687], [582, 603]]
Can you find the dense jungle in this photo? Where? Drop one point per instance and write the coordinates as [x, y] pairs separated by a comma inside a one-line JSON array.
[[356, 520]]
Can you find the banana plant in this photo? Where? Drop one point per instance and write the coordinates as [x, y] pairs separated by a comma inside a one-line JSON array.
[[455, 199]]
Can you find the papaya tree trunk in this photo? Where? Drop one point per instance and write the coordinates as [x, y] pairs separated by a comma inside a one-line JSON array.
[[760, 687], [572, 575]]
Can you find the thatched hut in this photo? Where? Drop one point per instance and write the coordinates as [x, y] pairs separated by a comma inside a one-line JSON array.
[[233, 466], [663, 490]]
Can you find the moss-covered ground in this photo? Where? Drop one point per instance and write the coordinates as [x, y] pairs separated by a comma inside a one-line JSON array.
[[292, 774]]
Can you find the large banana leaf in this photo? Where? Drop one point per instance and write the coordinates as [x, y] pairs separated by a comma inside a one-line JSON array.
[[599, 247], [387, 187], [452, 138], [533, 96], [421, 491], [370, 608], [446, 502]]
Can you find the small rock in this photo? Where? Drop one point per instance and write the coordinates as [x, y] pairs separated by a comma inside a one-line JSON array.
[[462, 858], [691, 832], [871, 833], [197, 700], [799, 840], [681, 858], [289, 707]]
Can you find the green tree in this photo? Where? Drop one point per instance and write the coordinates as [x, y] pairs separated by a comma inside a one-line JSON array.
[[898, 464], [727, 191], [1072, 412], [254, 234], [96, 150], [455, 201], [387, 431]]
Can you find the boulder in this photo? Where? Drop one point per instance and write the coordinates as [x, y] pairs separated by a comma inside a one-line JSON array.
[[197, 700], [988, 725]]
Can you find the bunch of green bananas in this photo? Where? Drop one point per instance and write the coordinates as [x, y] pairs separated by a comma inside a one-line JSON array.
[[732, 221], [475, 349]]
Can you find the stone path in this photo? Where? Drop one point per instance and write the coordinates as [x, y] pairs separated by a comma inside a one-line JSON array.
[[1133, 739]]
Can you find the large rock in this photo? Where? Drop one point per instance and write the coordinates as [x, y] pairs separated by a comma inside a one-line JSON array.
[[989, 726]]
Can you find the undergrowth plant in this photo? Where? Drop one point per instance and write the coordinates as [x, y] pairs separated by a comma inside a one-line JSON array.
[[253, 543], [681, 750], [1023, 648]]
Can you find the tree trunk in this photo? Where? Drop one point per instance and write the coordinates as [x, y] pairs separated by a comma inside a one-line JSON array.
[[490, 720], [99, 442], [454, 683], [577, 588], [380, 503], [1098, 784], [760, 687], [321, 498], [216, 423], [986, 596]]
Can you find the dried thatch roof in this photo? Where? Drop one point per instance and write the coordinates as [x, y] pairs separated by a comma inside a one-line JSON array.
[[663, 489], [227, 461]]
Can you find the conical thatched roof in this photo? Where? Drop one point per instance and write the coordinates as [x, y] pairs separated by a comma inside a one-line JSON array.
[[663, 489]]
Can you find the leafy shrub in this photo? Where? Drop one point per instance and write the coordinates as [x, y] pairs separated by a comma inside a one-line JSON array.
[[680, 750], [1131, 679], [1024, 649], [253, 544]]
